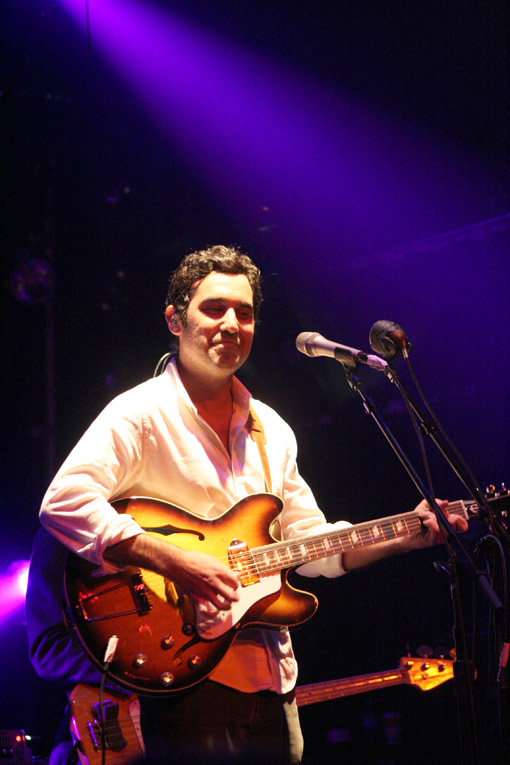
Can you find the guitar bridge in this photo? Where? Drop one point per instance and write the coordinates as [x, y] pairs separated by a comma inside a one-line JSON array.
[[130, 598], [241, 561], [113, 737]]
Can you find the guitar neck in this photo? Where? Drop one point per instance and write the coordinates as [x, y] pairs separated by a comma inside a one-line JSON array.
[[424, 673], [280, 555], [275, 557], [349, 686]]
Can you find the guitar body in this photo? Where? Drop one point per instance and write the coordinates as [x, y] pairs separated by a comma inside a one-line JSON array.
[[165, 643]]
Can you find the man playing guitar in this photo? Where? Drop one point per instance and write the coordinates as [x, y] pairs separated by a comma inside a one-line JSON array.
[[194, 437]]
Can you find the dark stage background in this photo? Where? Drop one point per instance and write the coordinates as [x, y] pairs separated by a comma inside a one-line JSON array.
[[360, 155]]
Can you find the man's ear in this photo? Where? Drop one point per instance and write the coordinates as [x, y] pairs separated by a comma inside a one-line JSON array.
[[173, 320]]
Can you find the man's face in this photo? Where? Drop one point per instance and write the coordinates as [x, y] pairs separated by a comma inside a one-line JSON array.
[[220, 324]]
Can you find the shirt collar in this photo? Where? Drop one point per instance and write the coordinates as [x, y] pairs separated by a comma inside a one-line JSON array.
[[241, 396]]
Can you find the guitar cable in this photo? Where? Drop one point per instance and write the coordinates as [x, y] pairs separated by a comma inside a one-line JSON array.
[[161, 365], [108, 658]]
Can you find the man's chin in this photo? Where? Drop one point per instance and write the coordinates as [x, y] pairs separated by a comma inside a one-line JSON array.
[[229, 358]]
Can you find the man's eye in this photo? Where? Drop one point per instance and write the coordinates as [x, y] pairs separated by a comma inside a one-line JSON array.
[[216, 309]]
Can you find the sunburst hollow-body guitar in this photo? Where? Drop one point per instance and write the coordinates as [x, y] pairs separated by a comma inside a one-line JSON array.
[[165, 642]]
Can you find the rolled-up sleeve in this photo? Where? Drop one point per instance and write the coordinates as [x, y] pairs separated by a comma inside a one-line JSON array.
[[76, 508]]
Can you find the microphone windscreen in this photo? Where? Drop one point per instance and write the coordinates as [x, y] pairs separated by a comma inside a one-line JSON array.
[[388, 339]]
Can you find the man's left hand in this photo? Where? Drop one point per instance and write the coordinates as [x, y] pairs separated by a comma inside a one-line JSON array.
[[430, 533]]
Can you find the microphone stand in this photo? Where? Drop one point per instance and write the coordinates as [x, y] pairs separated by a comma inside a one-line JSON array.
[[460, 559], [455, 463], [499, 530]]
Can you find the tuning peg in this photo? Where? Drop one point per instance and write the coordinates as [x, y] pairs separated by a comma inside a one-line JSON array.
[[490, 490], [425, 651], [503, 490], [441, 652]]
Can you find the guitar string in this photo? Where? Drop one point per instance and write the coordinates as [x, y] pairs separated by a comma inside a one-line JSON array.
[[347, 685], [331, 544], [129, 734], [328, 689], [276, 556], [268, 558], [307, 549]]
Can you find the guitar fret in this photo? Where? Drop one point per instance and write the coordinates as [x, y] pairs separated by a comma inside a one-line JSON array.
[[303, 551], [313, 552], [400, 526], [276, 559], [269, 561], [266, 559], [354, 538]]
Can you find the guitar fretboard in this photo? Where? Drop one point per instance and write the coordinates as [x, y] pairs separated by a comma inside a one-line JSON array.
[[280, 555], [336, 689]]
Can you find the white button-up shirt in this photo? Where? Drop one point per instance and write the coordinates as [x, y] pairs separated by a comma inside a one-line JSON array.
[[150, 441]]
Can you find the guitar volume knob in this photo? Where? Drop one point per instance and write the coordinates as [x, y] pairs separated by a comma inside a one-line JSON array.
[[139, 660], [167, 679], [194, 661]]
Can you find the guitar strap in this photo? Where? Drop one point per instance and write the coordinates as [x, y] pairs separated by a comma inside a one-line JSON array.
[[256, 431]]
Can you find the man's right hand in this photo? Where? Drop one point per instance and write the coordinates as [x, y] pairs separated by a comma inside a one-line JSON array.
[[200, 576], [204, 578]]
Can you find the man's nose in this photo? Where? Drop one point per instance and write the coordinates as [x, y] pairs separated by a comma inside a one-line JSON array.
[[229, 323]]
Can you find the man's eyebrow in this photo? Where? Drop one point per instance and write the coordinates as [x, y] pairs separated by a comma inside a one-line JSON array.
[[243, 304]]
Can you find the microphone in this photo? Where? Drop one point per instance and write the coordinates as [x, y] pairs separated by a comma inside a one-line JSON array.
[[313, 344], [389, 340]]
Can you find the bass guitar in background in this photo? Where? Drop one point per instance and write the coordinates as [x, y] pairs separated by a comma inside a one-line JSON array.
[[119, 732]]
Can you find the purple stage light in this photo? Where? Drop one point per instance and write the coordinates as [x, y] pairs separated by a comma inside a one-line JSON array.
[[13, 583], [18, 572], [338, 175]]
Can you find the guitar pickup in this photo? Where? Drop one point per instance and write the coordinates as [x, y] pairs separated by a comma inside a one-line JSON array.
[[241, 561], [140, 597], [124, 597]]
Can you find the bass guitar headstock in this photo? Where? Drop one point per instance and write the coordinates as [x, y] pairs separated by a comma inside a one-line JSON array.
[[426, 673]]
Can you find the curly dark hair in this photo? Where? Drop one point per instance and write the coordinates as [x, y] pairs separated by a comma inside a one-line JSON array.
[[197, 265]]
